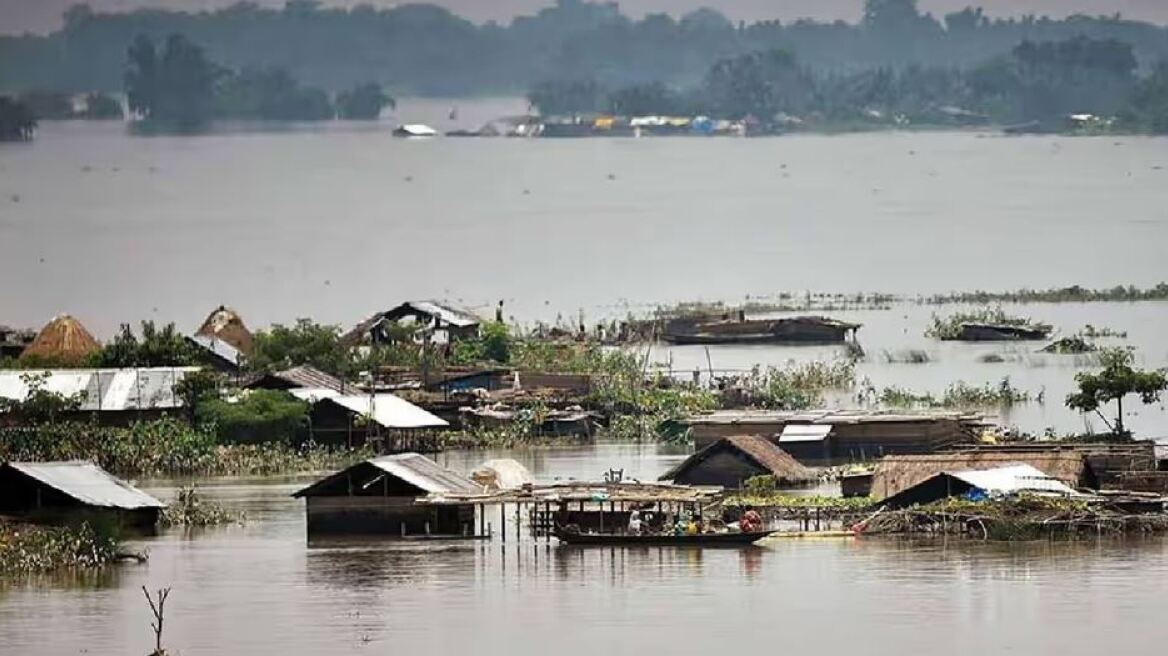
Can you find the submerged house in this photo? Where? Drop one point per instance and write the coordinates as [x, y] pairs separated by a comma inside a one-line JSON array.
[[837, 437], [63, 342], [380, 496], [895, 474], [989, 332], [730, 461], [740, 330], [355, 420], [1005, 480], [441, 321], [54, 492]]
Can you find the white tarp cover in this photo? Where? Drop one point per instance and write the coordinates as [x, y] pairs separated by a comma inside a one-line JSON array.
[[805, 433], [1013, 478]]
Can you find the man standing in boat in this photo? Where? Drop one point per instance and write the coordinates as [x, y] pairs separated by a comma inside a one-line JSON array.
[[751, 521]]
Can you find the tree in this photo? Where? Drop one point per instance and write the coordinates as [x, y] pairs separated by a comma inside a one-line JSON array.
[[559, 97], [177, 87], [305, 343], [363, 102], [758, 84], [17, 123], [645, 99], [100, 106], [196, 388], [269, 94], [1117, 380], [39, 405], [157, 348], [1146, 108], [48, 105]]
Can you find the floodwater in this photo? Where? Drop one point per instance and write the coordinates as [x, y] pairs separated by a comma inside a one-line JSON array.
[[339, 220], [259, 589]]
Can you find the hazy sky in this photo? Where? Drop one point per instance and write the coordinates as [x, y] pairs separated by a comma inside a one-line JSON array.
[[44, 15]]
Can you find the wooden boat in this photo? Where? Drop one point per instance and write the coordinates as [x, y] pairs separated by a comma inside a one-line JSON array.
[[627, 540]]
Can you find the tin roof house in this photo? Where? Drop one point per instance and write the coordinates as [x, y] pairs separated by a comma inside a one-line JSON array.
[[56, 492]]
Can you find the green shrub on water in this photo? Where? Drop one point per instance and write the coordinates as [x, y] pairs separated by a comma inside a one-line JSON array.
[[29, 549], [257, 416], [950, 327], [958, 396], [190, 508], [165, 447]]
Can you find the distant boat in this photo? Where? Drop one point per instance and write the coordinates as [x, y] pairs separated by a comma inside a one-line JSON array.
[[415, 130], [629, 540]]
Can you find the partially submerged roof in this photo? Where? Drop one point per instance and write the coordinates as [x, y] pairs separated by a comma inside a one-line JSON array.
[[412, 468], [444, 312], [828, 417], [897, 473], [759, 450], [577, 491], [1005, 480], [387, 410], [63, 339], [150, 388], [87, 483]]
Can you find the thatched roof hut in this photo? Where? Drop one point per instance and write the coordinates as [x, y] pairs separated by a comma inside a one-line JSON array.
[[63, 341], [226, 325], [895, 474], [730, 461]]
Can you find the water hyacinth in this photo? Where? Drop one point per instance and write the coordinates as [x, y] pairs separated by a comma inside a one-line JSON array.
[[29, 549], [190, 508]]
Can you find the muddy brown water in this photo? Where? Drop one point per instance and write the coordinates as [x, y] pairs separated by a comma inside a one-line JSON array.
[[339, 220], [259, 589]]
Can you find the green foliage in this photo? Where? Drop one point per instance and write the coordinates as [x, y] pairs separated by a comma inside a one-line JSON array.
[[558, 97], [176, 86], [157, 348], [494, 345], [99, 106], [650, 99], [1072, 294], [48, 105], [758, 84], [17, 122], [28, 549], [1147, 105], [304, 343], [950, 327], [797, 387], [166, 447], [190, 508], [1117, 380], [958, 396], [269, 94], [258, 416], [363, 102], [197, 387], [39, 405]]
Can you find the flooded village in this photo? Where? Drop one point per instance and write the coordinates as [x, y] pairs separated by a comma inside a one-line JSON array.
[[563, 326]]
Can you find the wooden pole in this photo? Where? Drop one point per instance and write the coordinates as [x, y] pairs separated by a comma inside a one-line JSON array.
[[503, 521]]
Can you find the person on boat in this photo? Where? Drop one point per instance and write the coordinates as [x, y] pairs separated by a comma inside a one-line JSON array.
[[751, 521], [694, 527], [635, 523]]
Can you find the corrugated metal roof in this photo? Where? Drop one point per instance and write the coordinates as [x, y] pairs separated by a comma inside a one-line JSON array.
[[805, 432], [87, 483], [219, 348], [1013, 478], [389, 411], [724, 417], [310, 377], [103, 389], [413, 468], [451, 315]]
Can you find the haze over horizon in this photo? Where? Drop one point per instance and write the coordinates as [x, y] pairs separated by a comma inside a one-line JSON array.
[[42, 16]]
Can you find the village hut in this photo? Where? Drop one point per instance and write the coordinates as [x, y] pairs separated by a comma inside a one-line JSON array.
[[975, 484], [894, 474], [225, 324], [730, 461], [63, 341], [502, 474], [379, 496], [355, 420], [442, 321], [57, 492]]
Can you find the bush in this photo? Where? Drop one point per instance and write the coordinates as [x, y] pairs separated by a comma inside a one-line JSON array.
[[258, 416], [27, 549]]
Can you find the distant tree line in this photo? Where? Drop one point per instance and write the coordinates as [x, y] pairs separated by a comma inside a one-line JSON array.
[[424, 49], [1039, 82], [178, 84]]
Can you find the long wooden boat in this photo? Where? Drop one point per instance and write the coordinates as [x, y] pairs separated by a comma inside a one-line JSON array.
[[627, 540]]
